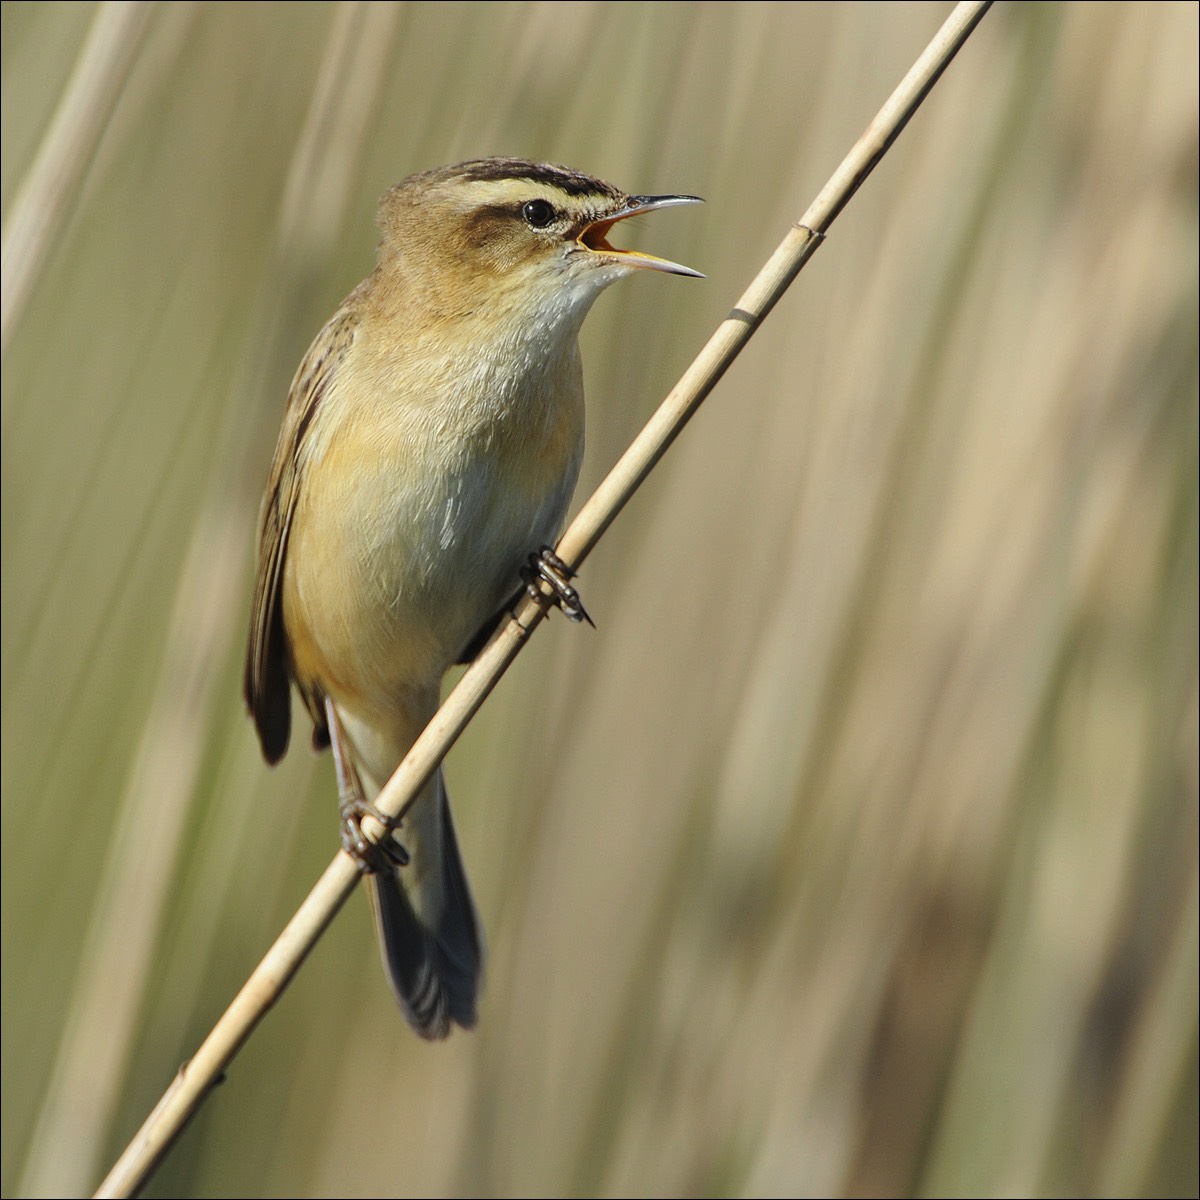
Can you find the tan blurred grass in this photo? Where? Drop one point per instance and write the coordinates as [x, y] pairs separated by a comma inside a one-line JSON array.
[[856, 852]]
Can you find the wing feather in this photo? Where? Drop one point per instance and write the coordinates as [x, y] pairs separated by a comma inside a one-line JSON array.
[[267, 675]]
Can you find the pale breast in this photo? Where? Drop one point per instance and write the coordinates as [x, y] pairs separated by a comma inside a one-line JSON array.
[[416, 512]]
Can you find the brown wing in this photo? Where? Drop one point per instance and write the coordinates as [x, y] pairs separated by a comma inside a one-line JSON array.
[[266, 681]]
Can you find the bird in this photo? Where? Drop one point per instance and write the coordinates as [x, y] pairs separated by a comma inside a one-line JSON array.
[[430, 444]]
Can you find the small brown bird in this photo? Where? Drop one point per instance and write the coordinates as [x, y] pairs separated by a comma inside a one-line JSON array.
[[430, 445]]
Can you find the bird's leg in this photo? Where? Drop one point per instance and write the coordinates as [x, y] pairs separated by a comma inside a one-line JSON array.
[[546, 567], [353, 805]]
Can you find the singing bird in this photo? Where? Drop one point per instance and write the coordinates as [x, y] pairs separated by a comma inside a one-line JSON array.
[[431, 441]]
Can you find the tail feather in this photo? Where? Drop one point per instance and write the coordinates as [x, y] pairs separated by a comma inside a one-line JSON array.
[[427, 926]]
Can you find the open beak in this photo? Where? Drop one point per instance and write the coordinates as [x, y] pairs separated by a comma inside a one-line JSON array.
[[595, 236]]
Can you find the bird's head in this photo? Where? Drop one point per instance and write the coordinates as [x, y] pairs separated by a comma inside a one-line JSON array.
[[514, 231]]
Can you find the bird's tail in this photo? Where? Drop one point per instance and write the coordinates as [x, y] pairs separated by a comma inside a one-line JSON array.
[[428, 929]]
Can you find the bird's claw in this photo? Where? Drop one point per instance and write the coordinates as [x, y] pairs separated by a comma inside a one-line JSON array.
[[546, 567], [371, 857]]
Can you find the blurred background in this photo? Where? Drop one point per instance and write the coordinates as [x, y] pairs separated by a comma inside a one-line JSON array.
[[855, 852]]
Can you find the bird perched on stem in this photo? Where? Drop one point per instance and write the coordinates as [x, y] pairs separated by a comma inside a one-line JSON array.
[[430, 445]]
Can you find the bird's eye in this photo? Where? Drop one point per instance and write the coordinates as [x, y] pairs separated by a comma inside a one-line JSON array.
[[537, 213]]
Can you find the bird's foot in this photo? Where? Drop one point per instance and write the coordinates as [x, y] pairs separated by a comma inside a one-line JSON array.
[[546, 567], [371, 857]]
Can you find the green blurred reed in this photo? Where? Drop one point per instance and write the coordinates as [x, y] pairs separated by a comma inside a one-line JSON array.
[[856, 852]]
